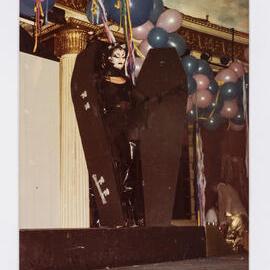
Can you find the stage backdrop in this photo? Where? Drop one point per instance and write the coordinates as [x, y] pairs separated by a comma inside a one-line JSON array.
[[39, 139]]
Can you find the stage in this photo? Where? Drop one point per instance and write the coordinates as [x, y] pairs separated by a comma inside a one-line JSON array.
[[84, 249]]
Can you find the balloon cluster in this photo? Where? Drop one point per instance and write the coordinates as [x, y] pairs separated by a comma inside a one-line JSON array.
[[159, 31], [213, 100]]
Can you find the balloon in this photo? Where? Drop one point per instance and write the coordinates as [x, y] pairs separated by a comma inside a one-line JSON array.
[[158, 37], [217, 105], [93, 18], [27, 7], [142, 31], [158, 8], [190, 64], [229, 90], [213, 122], [235, 127], [204, 68], [246, 54], [177, 42], [213, 87], [237, 68], [203, 113], [191, 84], [226, 75], [202, 98], [239, 119], [191, 115], [202, 81], [139, 11], [189, 103], [212, 106], [145, 47], [138, 65], [170, 20], [229, 109]]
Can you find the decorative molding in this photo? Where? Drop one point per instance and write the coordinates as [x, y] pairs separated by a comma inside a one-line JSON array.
[[79, 5], [70, 41], [216, 46], [206, 23]]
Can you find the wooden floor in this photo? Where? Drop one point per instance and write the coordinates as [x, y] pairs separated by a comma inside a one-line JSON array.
[[213, 263]]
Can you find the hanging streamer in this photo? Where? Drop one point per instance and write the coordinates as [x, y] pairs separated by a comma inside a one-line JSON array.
[[108, 31], [130, 63], [201, 180], [38, 22], [46, 12]]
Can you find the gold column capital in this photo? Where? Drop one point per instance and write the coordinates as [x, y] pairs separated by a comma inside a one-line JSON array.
[[69, 41]]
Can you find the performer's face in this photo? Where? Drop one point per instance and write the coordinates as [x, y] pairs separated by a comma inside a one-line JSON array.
[[118, 58]]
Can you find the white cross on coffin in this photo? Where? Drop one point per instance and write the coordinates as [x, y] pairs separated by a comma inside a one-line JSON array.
[[101, 180], [87, 106], [83, 94], [106, 192]]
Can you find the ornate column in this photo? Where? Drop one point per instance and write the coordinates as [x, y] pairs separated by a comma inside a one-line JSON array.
[[74, 187]]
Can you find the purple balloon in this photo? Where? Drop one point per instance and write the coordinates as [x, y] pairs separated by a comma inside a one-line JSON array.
[[229, 109], [170, 20], [236, 127], [138, 65], [145, 47], [202, 98], [237, 68], [226, 75], [202, 81], [141, 32]]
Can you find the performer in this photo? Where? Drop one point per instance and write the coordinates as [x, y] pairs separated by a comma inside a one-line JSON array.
[[233, 218], [115, 89]]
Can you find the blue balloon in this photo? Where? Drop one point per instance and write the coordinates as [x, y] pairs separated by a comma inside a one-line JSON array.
[[158, 8], [190, 64], [212, 123], [213, 87], [191, 84], [214, 106], [158, 38], [192, 114], [27, 7], [176, 41], [139, 11], [205, 69], [229, 91], [93, 18], [239, 119]]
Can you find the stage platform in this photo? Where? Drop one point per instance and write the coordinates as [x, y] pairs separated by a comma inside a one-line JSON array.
[[85, 249]]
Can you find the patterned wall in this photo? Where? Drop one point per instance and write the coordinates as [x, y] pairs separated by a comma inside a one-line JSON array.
[[228, 13]]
